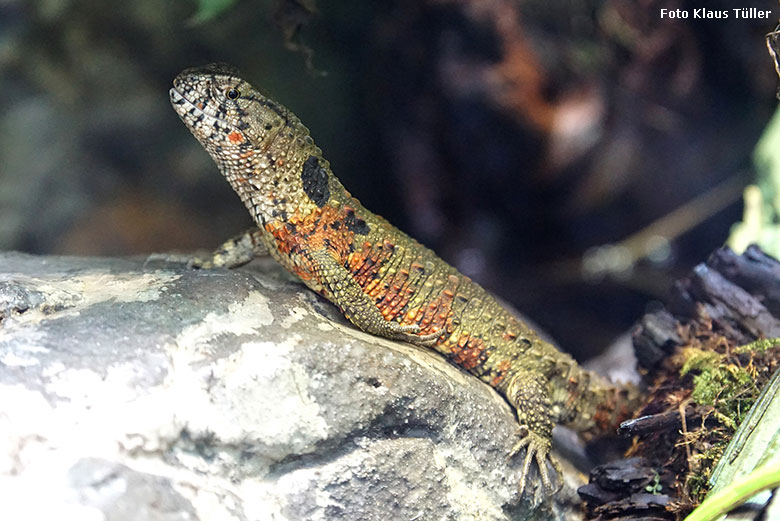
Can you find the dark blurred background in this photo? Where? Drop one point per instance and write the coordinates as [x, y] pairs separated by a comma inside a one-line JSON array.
[[513, 137]]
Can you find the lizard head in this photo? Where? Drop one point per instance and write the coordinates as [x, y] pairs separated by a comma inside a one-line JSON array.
[[224, 112], [260, 146]]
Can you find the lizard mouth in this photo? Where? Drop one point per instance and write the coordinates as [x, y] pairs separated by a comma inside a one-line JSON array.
[[195, 114], [181, 104]]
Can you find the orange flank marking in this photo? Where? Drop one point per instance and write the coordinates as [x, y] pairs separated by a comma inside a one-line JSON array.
[[608, 411], [303, 234], [248, 153], [468, 352], [603, 417], [303, 274], [319, 229], [394, 293], [327, 228], [365, 264], [236, 137], [501, 369]]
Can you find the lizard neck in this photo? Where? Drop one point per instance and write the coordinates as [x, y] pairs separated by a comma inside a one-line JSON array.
[[285, 178]]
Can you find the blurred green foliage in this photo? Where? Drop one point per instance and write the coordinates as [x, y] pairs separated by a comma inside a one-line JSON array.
[[209, 9], [761, 218]]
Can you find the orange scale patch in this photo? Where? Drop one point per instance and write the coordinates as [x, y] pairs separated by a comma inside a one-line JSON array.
[[236, 137], [304, 272], [313, 232], [412, 316], [396, 296], [501, 369], [468, 353], [438, 314], [603, 416], [365, 264]]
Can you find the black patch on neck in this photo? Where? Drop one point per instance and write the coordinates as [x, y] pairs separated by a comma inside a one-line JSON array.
[[315, 181], [356, 224]]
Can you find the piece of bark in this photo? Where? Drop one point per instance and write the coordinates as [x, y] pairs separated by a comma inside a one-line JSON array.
[[754, 270], [656, 337], [739, 294], [728, 301]]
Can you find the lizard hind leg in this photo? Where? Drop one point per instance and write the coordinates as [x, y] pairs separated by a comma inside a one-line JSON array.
[[528, 394]]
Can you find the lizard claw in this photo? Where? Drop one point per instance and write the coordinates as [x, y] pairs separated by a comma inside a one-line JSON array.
[[429, 339], [537, 449], [410, 333]]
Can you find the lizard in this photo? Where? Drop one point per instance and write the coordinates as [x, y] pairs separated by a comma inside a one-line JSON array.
[[383, 281]]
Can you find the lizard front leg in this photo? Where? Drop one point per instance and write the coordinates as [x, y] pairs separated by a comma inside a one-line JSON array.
[[234, 252], [527, 393], [357, 306]]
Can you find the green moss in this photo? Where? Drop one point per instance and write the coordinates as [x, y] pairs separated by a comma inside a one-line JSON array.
[[702, 463], [698, 360], [759, 345], [729, 389], [729, 384], [698, 486]]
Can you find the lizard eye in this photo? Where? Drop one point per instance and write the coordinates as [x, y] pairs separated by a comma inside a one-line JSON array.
[[232, 93]]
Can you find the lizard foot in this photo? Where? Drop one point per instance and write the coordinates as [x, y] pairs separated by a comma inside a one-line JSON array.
[[223, 257], [199, 263], [234, 252], [537, 448], [410, 333]]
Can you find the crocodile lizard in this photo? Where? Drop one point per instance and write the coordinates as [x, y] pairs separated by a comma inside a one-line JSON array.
[[384, 282]]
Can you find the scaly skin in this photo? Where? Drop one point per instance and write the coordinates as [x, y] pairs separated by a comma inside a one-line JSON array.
[[385, 282]]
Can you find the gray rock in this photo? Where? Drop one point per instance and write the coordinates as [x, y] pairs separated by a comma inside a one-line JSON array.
[[135, 389]]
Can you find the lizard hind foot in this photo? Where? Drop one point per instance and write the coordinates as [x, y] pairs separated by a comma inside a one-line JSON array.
[[537, 449]]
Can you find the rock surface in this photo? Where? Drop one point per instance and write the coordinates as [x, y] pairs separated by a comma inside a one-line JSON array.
[[142, 390]]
